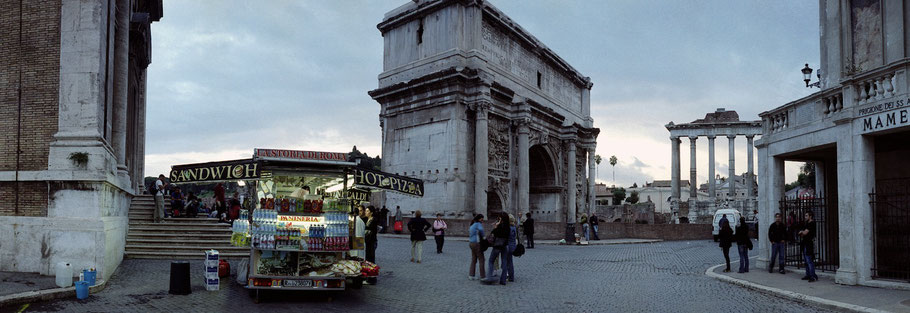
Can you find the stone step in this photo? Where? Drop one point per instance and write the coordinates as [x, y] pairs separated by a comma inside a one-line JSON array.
[[195, 228], [183, 241], [182, 255], [182, 222], [169, 235], [222, 248], [147, 221]]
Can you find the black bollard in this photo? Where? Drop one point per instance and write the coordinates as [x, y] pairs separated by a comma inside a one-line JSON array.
[[180, 278]]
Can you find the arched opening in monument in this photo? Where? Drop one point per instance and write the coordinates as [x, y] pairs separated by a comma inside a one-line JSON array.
[[544, 197], [494, 203]]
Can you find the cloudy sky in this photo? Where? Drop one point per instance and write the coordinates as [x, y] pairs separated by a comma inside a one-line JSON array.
[[230, 76]]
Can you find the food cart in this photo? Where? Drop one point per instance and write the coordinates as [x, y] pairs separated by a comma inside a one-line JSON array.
[[298, 226]]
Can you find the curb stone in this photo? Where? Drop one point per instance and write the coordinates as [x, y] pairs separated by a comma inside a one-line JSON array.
[[47, 294], [830, 304]]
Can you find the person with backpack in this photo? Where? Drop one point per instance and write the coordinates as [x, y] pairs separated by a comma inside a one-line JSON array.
[[500, 240], [157, 189], [475, 241], [528, 226], [508, 267]]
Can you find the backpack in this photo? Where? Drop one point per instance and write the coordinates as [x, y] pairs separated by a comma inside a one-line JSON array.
[[153, 188], [519, 248]]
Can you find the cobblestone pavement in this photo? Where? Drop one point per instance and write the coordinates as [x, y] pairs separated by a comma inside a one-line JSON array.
[[657, 277]]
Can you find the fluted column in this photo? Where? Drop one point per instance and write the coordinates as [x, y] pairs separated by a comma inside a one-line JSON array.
[[693, 187], [481, 157], [523, 166], [674, 177], [731, 193], [121, 85], [712, 182], [572, 186]]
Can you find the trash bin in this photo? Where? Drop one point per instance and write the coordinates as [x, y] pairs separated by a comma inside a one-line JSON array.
[[81, 290], [180, 278]]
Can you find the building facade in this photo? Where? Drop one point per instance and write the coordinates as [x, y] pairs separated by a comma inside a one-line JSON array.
[[856, 129], [72, 86], [490, 118], [660, 192]]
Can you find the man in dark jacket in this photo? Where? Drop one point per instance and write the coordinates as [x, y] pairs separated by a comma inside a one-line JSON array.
[[594, 221], [529, 230], [807, 242], [777, 234]]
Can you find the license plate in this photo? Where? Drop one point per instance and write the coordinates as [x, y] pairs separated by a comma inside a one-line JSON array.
[[298, 283]]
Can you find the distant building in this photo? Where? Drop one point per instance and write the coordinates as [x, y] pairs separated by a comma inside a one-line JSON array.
[[660, 192]]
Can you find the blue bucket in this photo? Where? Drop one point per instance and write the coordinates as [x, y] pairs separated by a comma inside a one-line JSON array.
[[89, 276], [81, 290]]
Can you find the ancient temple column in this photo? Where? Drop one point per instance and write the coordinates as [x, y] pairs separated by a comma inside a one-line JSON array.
[[523, 166], [674, 177], [693, 186], [121, 85], [572, 180], [592, 167], [712, 183], [731, 139], [750, 193], [481, 157]]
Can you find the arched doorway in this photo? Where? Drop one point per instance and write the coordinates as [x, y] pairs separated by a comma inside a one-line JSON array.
[[494, 203], [544, 197]]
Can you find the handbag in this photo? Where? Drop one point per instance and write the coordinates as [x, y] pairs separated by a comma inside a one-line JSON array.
[[519, 248], [398, 227]]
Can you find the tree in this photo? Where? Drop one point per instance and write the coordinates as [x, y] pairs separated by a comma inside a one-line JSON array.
[[806, 177], [365, 160], [597, 160], [633, 197], [613, 164], [619, 195], [634, 185]]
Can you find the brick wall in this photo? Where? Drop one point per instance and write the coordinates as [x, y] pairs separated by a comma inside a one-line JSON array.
[[38, 56], [32, 198], [555, 230]]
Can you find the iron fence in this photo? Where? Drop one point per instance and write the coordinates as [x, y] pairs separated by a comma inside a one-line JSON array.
[[825, 249], [890, 219]]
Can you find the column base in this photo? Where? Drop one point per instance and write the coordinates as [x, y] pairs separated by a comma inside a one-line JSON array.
[[846, 277], [693, 211], [762, 263]]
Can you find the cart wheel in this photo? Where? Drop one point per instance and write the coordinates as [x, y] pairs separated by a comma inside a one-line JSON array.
[[256, 298], [356, 283], [329, 299]]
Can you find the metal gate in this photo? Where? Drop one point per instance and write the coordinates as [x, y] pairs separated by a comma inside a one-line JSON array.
[[826, 246], [890, 220]]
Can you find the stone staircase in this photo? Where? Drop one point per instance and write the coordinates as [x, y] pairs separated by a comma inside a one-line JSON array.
[[175, 238]]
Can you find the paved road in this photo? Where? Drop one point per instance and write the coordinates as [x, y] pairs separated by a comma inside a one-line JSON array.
[[658, 277]]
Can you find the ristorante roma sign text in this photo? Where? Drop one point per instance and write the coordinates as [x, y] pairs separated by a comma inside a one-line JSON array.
[[300, 155], [377, 179], [213, 171]]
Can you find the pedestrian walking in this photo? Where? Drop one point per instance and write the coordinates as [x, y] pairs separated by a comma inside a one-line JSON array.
[[500, 241], [584, 226], [160, 185], [529, 230], [725, 236], [475, 235], [509, 267], [777, 234], [398, 224], [807, 242], [418, 228], [594, 221], [743, 244], [439, 232]]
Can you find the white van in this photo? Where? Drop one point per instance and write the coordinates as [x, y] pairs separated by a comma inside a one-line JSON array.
[[732, 216]]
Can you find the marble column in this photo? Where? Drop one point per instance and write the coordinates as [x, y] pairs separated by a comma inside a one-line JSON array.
[[572, 209], [712, 182], [121, 86], [674, 177], [523, 166], [592, 167], [731, 193], [750, 188], [481, 157], [693, 186]]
